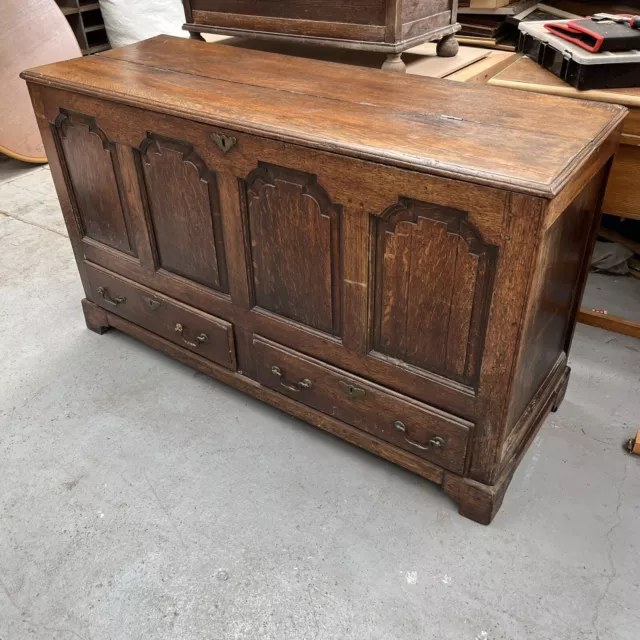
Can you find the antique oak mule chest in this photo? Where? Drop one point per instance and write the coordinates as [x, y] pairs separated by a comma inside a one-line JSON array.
[[396, 260]]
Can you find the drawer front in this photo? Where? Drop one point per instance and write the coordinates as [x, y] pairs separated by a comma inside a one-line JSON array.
[[632, 122], [620, 198], [199, 332], [422, 430]]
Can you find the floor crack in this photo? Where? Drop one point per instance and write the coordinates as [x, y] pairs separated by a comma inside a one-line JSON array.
[[21, 175], [9, 596], [572, 429], [56, 629], [29, 622], [613, 569], [33, 224], [166, 513]]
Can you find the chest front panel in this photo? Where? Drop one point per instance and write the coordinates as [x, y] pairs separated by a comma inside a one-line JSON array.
[[294, 236], [94, 176], [385, 272], [433, 276], [182, 195]]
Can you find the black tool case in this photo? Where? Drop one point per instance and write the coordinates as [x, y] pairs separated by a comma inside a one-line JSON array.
[[574, 65]]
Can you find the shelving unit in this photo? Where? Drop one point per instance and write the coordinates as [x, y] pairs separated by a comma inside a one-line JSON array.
[[85, 19]]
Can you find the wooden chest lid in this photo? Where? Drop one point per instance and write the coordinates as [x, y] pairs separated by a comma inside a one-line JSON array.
[[523, 142]]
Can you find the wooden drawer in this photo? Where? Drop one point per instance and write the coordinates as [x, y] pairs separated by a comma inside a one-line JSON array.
[[632, 122], [424, 431], [620, 198], [199, 332]]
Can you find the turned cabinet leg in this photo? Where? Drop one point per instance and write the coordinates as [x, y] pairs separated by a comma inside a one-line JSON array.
[[95, 317], [194, 35], [447, 47], [394, 63], [562, 390]]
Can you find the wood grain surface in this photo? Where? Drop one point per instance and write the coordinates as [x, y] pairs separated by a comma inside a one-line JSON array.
[[32, 32], [610, 323], [620, 198], [199, 332], [421, 123], [364, 405]]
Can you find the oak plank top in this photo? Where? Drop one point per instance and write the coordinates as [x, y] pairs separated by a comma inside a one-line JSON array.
[[499, 137]]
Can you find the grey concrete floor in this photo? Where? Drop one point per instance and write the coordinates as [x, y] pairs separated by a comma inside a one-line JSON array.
[[139, 499]]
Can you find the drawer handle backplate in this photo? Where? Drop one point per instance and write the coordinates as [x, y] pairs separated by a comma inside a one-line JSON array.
[[104, 294], [303, 384], [435, 443], [198, 341]]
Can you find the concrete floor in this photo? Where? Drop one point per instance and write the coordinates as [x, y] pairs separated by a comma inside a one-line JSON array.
[[139, 499]]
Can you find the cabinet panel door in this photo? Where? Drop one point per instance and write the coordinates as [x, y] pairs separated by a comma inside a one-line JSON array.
[[182, 197], [433, 275], [95, 184], [294, 237]]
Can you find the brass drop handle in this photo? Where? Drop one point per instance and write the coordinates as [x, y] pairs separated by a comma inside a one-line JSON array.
[[303, 384], [103, 292], [199, 339], [435, 443]]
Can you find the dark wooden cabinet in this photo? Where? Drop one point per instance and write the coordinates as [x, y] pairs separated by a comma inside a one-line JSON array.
[[403, 270], [389, 26]]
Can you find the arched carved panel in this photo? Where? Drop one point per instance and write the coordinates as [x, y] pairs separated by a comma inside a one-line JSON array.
[[294, 236], [184, 210], [433, 280], [93, 177]]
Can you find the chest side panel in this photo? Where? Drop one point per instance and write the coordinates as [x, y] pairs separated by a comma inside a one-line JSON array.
[[553, 300], [413, 10], [294, 236], [433, 275], [94, 179], [183, 204]]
